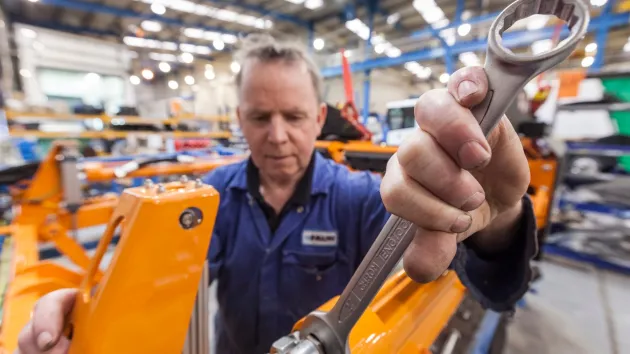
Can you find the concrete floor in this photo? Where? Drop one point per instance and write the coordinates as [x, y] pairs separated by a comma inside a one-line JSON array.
[[573, 309]]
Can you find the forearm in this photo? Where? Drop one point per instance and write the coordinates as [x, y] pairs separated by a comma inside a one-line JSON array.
[[500, 234]]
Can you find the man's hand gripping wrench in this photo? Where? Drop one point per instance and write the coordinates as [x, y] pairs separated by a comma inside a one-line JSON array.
[[508, 73]]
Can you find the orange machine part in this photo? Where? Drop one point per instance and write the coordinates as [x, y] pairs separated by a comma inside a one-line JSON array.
[[152, 281], [405, 317]]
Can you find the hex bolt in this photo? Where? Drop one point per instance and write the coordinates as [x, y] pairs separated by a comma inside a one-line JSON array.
[[183, 179], [161, 188], [198, 183]]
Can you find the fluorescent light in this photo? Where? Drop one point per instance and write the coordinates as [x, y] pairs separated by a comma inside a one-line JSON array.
[[347, 53], [209, 74], [134, 80], [26, 73], [393, 52], [313, 4], [429, 10], [147, 74], [191, 7], [591, 48], [359, 28], [218, 44], [151, 26], [28, 33], [189, 80], [297, 2], [626, 47], [235, 67], [164, 67], [537, 21], [199, 33], [444, 78], [380, 48], [540, 47], [33, 1], [587, 61], [318, 44], [186, 58], [173, 85], [448, 35], [158, 8], [163, 57], [464, 29], [598, 2], [149, 43], [393, 18]]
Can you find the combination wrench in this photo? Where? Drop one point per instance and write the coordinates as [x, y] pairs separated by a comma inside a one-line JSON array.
[[507, 73]]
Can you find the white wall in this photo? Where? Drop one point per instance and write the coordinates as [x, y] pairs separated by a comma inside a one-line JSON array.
[[58, 50]]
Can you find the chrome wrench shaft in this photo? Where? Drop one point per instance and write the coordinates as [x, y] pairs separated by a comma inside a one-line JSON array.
[[507, 74]]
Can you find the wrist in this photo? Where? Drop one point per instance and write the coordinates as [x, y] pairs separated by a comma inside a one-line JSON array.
[[498, 236]]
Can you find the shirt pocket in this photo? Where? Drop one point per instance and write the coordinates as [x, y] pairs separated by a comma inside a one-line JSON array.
[[311, 278]]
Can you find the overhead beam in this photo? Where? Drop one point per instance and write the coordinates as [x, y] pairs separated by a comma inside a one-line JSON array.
[[110, 10], [510, 40], [262, 11]]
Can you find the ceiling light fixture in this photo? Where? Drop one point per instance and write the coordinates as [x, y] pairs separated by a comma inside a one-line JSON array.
[[186, 58], [591, 48], [28, 33], [151, 26], [235, 67], [218, 44], [318, 44], [173, 85], [158, 9], [464, 29], [444, 78], [164, 67], [134, 80], [213, 12], [189, 80], [587, 62], [147, 74]]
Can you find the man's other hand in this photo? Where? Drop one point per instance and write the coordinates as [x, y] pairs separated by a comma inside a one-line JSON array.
[[44, 333], [452, 181]]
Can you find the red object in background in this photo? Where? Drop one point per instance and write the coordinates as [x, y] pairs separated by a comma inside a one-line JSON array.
[[349, 110], [188, 144]]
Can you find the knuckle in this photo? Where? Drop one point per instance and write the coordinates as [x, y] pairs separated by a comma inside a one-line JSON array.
[[25, 338], [431, 101], [391, 194], [411, 155]]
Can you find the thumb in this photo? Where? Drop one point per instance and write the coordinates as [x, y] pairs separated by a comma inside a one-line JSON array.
[[50, 315], [468, 85]]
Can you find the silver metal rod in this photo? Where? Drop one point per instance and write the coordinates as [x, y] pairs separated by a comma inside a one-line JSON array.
[[197, 338]]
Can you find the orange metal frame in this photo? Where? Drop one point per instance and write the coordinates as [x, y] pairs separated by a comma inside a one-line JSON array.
[[41, 217]]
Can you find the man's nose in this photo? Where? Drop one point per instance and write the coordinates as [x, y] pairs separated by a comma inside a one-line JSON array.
[[278, 132]]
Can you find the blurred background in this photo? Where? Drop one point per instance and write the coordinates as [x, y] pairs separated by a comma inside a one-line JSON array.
[[129, 90]]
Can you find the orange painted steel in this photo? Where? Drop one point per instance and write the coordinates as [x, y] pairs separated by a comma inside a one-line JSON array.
[[144, 302], [405, 317], [41, 217]]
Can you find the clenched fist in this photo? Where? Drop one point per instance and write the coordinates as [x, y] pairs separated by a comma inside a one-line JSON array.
[[452, 181]]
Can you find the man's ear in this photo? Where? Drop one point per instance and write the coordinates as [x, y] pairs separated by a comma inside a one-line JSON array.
[[321, 117]]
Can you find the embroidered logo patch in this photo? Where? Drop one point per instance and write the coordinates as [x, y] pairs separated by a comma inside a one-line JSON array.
[[319, 238]]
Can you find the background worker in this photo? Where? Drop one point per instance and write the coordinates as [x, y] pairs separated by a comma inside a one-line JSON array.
[[293, 226]]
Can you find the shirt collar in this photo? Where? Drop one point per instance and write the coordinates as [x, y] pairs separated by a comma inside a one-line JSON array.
[[320, 176], [302, 193]]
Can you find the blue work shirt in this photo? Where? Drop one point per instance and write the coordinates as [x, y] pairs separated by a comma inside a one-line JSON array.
[[270, 278]]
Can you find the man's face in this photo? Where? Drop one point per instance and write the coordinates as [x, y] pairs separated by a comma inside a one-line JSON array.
[[280, 116]]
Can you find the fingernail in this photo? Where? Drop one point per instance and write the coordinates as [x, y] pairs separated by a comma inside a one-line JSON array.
[[473, 202], [44, 340], [472, 155], [462, 223], [465, 89]]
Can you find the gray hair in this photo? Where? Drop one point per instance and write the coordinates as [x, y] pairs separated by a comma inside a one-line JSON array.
[[266, 48]]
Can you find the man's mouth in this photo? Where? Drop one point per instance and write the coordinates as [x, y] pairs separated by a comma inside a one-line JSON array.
[[278, 157]]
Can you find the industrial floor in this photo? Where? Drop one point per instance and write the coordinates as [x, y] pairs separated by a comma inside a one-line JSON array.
[[573, 309]]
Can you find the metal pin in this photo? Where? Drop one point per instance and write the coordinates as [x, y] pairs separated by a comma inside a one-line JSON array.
[[161, 188], [198, 183], [183, 179]]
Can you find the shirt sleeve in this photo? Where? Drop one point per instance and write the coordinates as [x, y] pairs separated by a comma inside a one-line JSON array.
[[496, 281]]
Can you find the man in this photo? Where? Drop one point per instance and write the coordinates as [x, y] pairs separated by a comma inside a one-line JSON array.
[[292, 226]]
